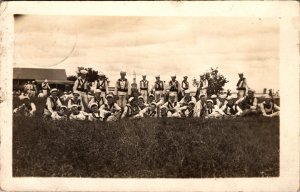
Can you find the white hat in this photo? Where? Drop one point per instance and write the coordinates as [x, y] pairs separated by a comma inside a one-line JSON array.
[[151, 95], [229, 98], [266, 96], [26, 97], [172, 94], [100, 73], [157, 76], [74, 105], [223, 96], [97, 91], [140, 97], [163, 107], [187, 91], [173, 75], [153, 103], [213, 97], [65, 92], [144, 75], [53, 90], [63, 106], [83, 71], [92, 104], [122, 72], [46, 80], [76, 92], [185, 76], [202, 95], [209, 101], [109, 95], [130, 99]]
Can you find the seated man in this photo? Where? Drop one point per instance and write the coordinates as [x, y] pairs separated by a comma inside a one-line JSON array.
[[268, 108], [52, 103], [98, 98], [150, 111], [28, 108], [141, 102], [151, 98], [96, 114], [248, 104], [111, 110], [131, 109], [188, 110], [231, 109], [212, 111], [186, 99], [76, 114], [216, 101], [75, 100], [173, 106], [61, 114], [201, 106]]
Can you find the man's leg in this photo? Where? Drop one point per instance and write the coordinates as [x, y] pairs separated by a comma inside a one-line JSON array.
[[84, 98]]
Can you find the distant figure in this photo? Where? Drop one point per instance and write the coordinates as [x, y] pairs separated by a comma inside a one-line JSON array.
[[122, 90], [188, 111], [45, 87], [248, 104], [81, 85], [95, 114], [32, 89], [101, 84], [150, 111], [141, 102], [76, 100], [111, 109], [212, 111], [185, 84], [52, 103], [173, 106], [201, 106], [231, 109], [76, 114], [268, 108], [27, 109], [60, 114], [187, 98], [151, 98], [158, 88], [131, 109], [174, 87], [2, 98], [41, 94], [144, 88], [98, 98], [242, 86]]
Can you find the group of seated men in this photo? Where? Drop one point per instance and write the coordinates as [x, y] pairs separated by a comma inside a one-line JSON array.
[[105, 108]]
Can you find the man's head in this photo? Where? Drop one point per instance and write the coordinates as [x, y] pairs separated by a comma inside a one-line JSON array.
[[97, 93], [94, 107], [268, 99], [241, 75], [164, 111], [141, 100], [191, 104], [202, 77], [74, 109], [187, 93], [203, 98], [173, 77], [213, 97], [157, 77], [101, 75], [63, 110], [209, 103], [153, 106], [144, 77], [26, 100], [83, 73], [250, 93], [109, 99], [230, 101], [123, 74], [172, 97], [185, 78], [151, 98], [76, 95], [54, 92]]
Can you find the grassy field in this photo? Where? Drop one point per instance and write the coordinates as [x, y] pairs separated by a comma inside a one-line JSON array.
[[146, 148]]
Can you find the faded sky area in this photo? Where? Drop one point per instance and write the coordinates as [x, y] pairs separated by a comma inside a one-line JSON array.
[[152, 45]]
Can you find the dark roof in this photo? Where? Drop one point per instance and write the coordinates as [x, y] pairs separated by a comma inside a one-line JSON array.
[[40, 74]]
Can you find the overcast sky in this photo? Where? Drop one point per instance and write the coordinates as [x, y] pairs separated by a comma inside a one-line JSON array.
[[152, 45]]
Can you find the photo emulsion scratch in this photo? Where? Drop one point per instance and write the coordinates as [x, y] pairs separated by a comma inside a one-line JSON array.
[[145, 97]]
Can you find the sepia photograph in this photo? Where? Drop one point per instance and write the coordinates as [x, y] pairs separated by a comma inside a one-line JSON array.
[[146, 97]]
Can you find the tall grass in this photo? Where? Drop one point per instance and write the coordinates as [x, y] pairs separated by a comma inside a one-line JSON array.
[[146, 148]]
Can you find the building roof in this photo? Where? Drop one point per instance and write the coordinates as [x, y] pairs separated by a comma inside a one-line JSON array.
[[40, 74]]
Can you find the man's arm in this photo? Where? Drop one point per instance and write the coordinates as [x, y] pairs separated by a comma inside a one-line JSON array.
[[75, 86], [48, 104], [125, 112]]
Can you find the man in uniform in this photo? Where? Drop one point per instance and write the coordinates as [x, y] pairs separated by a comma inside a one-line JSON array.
[[52, 103], [101, 84], [185, 84], [98, 98], [231, 109], [122, 90], [81, 85], [268, 108], [187, 98], [28, 107], [173, 106], [248, 104], [241, 86], [203, 85], [76, 100], [174, 87], [201, 106], [150, 111], [144, 88], [112, 111], [188, 111], [45, 87], [131, 109], [158, 87]]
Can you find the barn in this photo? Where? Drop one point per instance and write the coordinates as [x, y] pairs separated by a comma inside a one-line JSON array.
[[57, 78]]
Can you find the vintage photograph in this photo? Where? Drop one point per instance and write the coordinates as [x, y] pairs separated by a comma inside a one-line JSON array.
[[145, 97]]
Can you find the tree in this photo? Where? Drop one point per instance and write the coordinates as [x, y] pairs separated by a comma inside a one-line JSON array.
[[216, 82]]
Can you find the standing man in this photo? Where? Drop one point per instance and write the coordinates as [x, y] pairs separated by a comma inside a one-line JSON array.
[[122, 90], [81, 85], [101, 84], [241, 86], [144, 88], [158, 87], [174, 87], [185, 84], [45, 87], [203, 85]]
